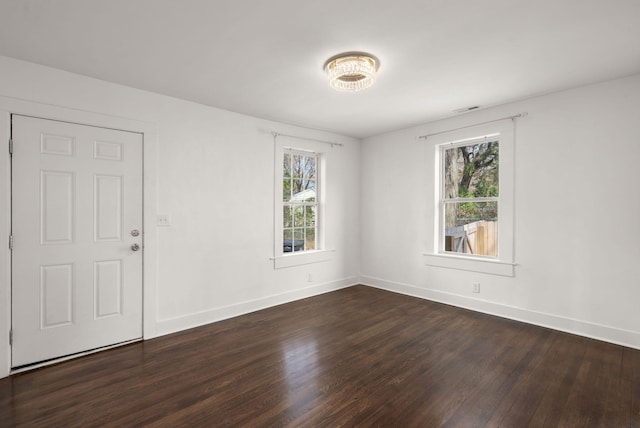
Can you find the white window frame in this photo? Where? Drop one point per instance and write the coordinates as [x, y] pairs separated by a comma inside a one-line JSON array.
[[320, 254], [442, 200], [503, 263], [318, 187]]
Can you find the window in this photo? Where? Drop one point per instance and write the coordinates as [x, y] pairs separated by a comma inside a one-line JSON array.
[[473, 198], [469, 197], [300, 194], [300, 201]]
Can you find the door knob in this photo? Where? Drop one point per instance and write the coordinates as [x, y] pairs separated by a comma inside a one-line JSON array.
[[135, 247]]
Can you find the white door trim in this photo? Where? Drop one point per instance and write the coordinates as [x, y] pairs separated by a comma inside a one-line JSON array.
[[46, 111]]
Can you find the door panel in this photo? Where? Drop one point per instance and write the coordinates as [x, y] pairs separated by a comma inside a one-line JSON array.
[[107, 282], [57, 200], [56, 294], [77, 195], [107, 194]]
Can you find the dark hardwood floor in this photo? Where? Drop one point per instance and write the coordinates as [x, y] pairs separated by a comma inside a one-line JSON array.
[[355, 357]]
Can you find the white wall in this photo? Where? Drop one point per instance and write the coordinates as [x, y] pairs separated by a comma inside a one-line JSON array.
[[577, 223], [577, 205], [214, 176]]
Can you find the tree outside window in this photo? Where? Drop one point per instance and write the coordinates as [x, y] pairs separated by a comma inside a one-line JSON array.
[[469, 197]]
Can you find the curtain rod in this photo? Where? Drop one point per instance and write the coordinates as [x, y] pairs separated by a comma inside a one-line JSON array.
[[424, 137], [277, 134]]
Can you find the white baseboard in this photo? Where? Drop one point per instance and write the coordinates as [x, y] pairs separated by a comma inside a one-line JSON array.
[[605, 333], [218, 314]]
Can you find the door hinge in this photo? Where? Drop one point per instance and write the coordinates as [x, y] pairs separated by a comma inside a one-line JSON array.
[[11, 242], [10, 337], [11, 146]]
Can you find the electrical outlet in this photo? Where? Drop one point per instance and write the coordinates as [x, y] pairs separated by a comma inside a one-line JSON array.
[[310, 278], [163, 220], [476, 287]]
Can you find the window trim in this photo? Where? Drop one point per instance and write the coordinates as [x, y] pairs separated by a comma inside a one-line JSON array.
[[503, 263], [321, 253], [442, 201]]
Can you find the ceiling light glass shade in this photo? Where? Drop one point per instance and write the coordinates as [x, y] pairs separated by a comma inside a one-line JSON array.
[[352, 71]]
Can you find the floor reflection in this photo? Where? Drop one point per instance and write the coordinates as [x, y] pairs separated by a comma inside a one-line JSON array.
[[301, 369], [300, 361]]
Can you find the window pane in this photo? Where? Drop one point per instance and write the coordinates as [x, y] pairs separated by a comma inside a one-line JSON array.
[[286, 190], [310, 216], [310, 191], [287, 240], [298, 239], [303, 195], [310, 239], [286, 165], [287, 215], [296, 188], [298, 216], [471, 171], [297, 167], [309, 168], [471, 228]]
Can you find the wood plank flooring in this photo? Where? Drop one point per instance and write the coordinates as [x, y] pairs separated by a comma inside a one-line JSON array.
[[356, 357]]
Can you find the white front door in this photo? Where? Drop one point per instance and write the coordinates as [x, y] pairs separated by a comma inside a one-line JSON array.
[[77, 238]]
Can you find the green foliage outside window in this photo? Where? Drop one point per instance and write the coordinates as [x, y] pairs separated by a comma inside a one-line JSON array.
[[471, 172]]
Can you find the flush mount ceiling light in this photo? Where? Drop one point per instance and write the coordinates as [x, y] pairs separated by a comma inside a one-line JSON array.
[[351, 71]]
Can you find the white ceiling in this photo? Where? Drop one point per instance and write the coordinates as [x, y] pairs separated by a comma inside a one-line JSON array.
[[264, 58]]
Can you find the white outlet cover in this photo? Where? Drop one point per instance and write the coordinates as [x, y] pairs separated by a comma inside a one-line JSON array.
[[163, 220]]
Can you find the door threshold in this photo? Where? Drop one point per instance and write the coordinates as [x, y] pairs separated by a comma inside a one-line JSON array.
[[52, 361]]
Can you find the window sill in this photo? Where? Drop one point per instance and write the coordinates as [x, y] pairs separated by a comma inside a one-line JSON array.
[[308, 257], [490, 266]]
